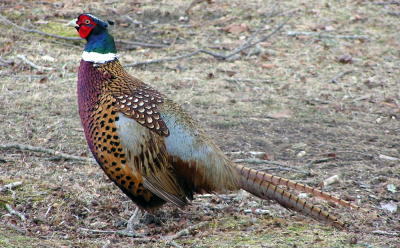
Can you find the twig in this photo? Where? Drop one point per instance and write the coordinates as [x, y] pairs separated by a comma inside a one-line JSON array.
[[174, 244], [135, 22], [247, 45], [330, 180], [187, 231], [340, 75], [392, 13], [33, 65], [122, 233], [219, 56], [380, 232], [319, 161], [4, 62], [36, 31], [321, 35], [154, 61], [28, 30], [14, 212], [10, 186], [250, 80], [279, 166], [141, 44], [45, 150], [388, 3], [16, 228], [143, 240]]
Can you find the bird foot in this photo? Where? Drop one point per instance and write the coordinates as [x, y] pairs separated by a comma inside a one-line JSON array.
[[132, 224]]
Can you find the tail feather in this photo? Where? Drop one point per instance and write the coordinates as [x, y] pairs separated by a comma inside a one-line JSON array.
[[267, 190], [251, 175]]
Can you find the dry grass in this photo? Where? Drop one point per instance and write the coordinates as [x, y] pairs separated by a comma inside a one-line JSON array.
[[289, 78]]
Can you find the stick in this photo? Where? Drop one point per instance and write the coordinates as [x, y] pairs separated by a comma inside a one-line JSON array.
[[320, 35], [319, 161], [340, 75], [388, 3], [163, 60], [219, 56], [392, 13], [122, 233], [33, 65], [380, 232], [247, 45], [45, 150], [187, 231], [261, 161], [16, 228], [330, 180], [141, 44], [36, 31], [28, 30], [4, 62], [173, 243], [14, 212], [10, 186]]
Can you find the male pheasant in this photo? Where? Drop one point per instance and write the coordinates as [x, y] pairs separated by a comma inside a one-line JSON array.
[[151, 148]]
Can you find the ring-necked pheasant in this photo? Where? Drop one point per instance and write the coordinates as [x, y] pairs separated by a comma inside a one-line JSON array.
[[151, 148]]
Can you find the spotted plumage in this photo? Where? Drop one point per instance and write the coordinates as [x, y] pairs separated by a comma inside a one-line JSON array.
[[151, 148]]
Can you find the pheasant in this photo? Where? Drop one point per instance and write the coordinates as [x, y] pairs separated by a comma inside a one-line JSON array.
[[152, 149]]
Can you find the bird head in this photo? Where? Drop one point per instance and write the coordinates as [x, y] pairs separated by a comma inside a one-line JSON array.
[[87, 24]]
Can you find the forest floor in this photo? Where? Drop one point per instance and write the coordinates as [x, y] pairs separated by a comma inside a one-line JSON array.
[[320, 98]]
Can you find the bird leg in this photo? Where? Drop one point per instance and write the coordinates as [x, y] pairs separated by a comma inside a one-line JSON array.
[[133, 222]]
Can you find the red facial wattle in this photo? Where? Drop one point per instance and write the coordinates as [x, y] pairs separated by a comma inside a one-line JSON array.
[[85, 26]]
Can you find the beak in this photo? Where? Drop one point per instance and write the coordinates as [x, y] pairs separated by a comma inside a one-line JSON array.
[[72, 23]]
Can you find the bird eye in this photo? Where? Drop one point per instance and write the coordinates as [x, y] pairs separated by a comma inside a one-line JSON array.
[[87, 21]]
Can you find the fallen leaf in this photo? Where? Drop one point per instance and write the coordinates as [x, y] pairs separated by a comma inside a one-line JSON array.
[[286, 113], [267, 66], [236, 28]]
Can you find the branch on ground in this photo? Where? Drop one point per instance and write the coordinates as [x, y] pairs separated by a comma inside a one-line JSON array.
[[246, 45], [10, 186], [33, 65], [324, 35], [35, 31], [47, 151]]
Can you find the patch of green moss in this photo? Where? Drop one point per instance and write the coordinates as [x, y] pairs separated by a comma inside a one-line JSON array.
[[59, 29]]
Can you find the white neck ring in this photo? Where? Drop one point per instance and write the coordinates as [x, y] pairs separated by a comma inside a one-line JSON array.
[[98, 58]]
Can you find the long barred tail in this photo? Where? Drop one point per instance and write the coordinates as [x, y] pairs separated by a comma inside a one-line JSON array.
[[252, 174], [266, 186]]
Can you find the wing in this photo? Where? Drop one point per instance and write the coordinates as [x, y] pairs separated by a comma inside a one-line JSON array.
[[194, 155], [146, 154], [134, 98], [140, 104]]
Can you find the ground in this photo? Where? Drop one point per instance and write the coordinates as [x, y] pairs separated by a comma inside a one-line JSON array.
[[320, 103]]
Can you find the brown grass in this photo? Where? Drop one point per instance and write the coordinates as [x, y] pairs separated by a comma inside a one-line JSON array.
[[289, 78]]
